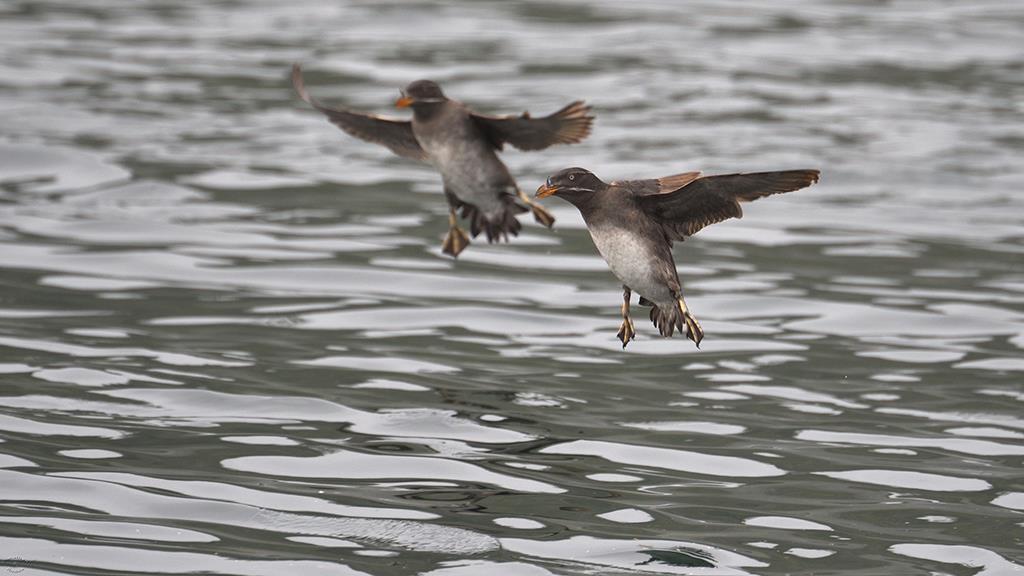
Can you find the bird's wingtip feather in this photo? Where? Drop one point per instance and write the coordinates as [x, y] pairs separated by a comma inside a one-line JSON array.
[[298, 83]]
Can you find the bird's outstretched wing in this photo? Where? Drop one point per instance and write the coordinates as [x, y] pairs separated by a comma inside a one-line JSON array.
[[567, 126], [711, 199], [394, 133], [662, 185]]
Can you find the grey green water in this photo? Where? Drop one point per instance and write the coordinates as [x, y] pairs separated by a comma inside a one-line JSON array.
[[229, 343]]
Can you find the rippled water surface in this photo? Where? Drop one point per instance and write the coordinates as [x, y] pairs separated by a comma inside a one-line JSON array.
[[229, 342]]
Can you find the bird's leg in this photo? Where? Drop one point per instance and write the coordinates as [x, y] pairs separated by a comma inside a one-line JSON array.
[[626, 331], [693, 330], [456, 240], [541, 215]]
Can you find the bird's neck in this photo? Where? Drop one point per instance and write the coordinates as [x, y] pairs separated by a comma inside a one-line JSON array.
[[586, 202], [427, 111]]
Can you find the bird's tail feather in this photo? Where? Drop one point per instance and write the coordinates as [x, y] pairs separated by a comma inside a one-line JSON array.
[[667, 319], [499, 227]]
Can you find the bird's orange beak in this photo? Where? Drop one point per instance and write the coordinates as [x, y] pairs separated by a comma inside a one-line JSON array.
[[403, 102], [545, 190]]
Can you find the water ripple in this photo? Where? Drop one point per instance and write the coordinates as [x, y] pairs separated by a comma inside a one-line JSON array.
[[229, 342], [667, 458]]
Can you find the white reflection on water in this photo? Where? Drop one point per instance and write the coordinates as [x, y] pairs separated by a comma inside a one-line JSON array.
[[990, 563], [79, 351], [914, 480], [397, 365], [475, 567], [692, 427], [1012, 500], [627, 516], [966, 417], [810, 552], [962, 445], [354, 465], [100, 528], [667, 458], [131, 488], [791, 393], [42, 170], [785, 523], [81, 376], [142, 560], [34, 427]]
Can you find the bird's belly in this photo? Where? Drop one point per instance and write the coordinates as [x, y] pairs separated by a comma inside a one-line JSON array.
[[455, 155], [473, 177], [633, 262]]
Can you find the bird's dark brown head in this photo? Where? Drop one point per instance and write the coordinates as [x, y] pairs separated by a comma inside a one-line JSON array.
[[573, 184], [421, 92]]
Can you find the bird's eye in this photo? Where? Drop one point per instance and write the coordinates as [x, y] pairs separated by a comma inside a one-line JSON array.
[[572, 176]]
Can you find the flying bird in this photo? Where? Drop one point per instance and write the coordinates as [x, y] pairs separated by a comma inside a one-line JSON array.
[[463, 146], [634, 223]]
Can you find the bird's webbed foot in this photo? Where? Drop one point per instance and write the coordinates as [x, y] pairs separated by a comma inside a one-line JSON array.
[[693, 330], [456, 240], [627, 331], [540, 214]]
